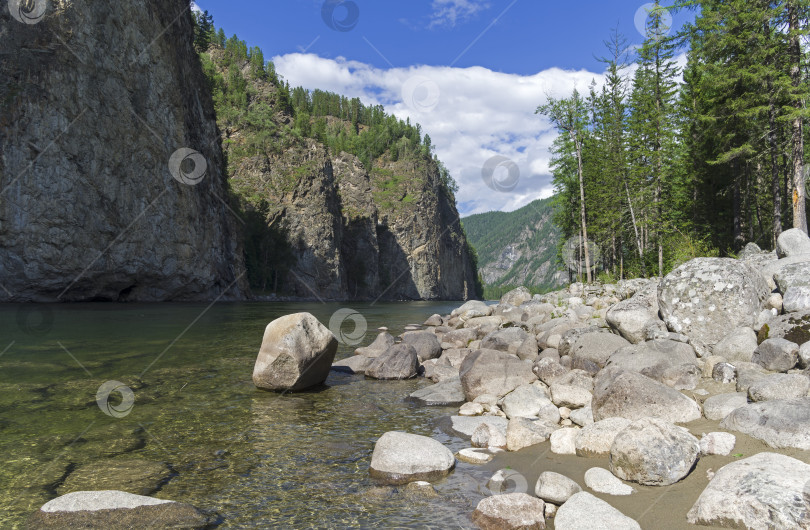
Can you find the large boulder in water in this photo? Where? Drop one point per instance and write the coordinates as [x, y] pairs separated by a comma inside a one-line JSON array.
[[400, 458], [115, 509], [400, 361], [510, 511], [493, 372], [778, 423], [706, 297], [425, 343], [767, 490], [383, 341], [297, 353], [653, 452], [634, 396]]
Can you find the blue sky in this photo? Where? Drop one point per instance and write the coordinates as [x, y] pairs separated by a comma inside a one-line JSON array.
[[471, 72]]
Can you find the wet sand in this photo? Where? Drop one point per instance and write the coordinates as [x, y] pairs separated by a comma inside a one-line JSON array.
[[655, 508]]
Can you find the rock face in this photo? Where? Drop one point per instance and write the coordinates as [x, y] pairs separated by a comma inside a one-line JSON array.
[[779, 423], [400, 361], [583, 511], [510, 511], [634, 396], [399, 458], [706, 297], [766, 490], [653, 452], [297, 353], [90, 208], [493, 372], [115, 509]]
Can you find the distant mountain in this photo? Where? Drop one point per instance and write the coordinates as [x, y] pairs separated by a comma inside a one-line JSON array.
[[517, 248]]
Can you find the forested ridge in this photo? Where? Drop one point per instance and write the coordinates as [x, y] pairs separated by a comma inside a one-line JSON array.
[[661, 164]]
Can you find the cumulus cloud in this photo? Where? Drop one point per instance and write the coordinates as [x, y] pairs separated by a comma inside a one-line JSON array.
[[450, 12], [471, 114]]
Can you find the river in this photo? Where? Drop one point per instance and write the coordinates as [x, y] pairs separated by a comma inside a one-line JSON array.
[[257, 459]]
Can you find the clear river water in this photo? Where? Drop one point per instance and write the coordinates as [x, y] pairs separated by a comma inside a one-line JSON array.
[[257, 459]]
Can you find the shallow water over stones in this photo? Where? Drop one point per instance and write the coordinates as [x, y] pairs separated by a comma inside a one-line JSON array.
[[257, 459]]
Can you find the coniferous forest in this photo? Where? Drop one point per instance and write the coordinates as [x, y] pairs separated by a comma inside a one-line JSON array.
[[663, 163]]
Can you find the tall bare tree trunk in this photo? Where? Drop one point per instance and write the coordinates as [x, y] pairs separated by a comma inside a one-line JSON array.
[[578, 145], [797, 140], [776, 188]]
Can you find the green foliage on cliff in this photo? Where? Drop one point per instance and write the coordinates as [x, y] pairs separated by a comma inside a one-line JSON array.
[[531, 231]]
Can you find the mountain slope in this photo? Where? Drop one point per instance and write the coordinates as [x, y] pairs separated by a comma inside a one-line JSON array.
[[517, 248], [340, 201]]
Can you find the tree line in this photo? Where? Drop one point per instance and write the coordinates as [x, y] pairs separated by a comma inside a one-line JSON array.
[[662, 163]]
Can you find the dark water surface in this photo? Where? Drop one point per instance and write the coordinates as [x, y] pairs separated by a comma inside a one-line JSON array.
[[258, 459]]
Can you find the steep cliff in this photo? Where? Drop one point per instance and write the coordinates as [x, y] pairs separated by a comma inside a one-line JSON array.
[[95, 98], [321, 222], [518, 248]]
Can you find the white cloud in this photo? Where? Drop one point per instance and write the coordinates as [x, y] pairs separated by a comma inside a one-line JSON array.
[[450, 12], [471, 115]]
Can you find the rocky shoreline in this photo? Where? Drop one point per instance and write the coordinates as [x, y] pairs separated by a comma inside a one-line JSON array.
[[620, 381], [619, 372]]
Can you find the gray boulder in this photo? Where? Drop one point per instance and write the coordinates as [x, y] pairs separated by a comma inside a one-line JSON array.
[[434, 320], [718, 407], [356, 364], [524, 432], [631, 317], [115, 509], [792, 242], [297, 353], [766, 490], [398, 362], [797, 299], [400, 458], [487, 436], [380, 345], [510, 511], [724, 373], [445, 393], [804, 355], [529, 401], [425, 343], [778, 355], [466, 425], [603, 481], [459, 338], [717, 443], [516, 297], [505, 340], [563, 441], [748, 374], [493, 372], [528, 349], [555, 488], [573, 397], [472, 309], [705, 297], [582, 417], [634, 396], [779, 386], [665, 361], [548, 370], [787, 272], [594, 349], [779, 423], [597, 438], [653, 452], [583, 511], [739, 345]]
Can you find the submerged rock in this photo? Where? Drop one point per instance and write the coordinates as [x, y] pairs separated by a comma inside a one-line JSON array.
[[137, 476], [297, 353], [399, 458], [445, 393], [115, 510]]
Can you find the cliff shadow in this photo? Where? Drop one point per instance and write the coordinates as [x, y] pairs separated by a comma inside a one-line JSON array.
[[396, 279]]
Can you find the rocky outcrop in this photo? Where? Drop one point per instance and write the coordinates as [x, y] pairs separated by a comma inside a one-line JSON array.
[[95, 100]]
